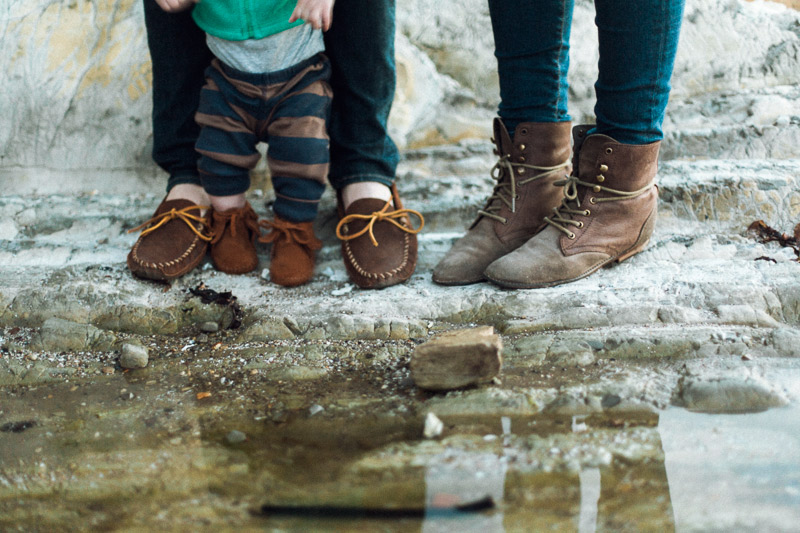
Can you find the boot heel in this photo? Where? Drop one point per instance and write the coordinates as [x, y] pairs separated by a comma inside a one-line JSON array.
[[633, 251]]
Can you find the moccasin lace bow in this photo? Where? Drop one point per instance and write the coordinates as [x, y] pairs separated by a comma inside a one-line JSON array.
[[221, 219], [383, 215], [289, 232], [180, 214], [506, 190], [571, 204]]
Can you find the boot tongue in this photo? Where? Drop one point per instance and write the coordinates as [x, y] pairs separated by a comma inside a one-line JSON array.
[[502, 140]]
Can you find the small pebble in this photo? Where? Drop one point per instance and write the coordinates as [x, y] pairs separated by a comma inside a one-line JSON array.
[[235, 437], [315, 409], [433, 426]]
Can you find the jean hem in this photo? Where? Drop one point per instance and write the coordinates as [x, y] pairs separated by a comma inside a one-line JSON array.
[[340, 183]]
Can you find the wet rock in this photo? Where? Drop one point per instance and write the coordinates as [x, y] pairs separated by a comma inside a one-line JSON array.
[[433, 426], [571, 405], [571, 353], [457, 359], [133, 356], [266, 330], [209, 327], [298, 373], [495, 402], [59, 335], [235, 437], [528, 351], [729, 393]]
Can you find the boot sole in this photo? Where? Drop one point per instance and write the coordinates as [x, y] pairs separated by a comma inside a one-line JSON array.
[[637, 247], [608, 262], [457, 283]]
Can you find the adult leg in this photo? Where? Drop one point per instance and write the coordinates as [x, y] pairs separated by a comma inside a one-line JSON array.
[[360, 45], [610, 210], [638, 42], [179, 58], [174, 240], [531, 136], [364, 159]]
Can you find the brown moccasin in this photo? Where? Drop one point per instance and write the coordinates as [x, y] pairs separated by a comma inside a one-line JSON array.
[[172, 243], [233, 248], [293, 253], [379, 245]]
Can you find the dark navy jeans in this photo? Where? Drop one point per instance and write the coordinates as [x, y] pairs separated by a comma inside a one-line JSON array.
[[637, 38], [360, 45]]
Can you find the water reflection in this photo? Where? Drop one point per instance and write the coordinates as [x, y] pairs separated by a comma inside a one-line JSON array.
[[719, 472], [96, 445], [733, 472]]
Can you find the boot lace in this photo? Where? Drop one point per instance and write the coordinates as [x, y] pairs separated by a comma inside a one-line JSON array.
[[505, 191], [288, 233], [383, 215], [180, 214], [247, 216], [571, 204]]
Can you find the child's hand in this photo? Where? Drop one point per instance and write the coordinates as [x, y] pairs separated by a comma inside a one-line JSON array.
[[318, 13], [175, 6]]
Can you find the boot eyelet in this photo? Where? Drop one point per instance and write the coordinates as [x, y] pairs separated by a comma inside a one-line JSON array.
[[596, 188], [523, 131], [587, 213], [580, 225], [603, 168], [609, 150], [592, 200], [521, 159], [520, 171], [516, 197], [522, 146], [571, 236], [601, 178]]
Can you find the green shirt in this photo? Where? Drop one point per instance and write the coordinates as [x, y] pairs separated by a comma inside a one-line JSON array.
[[237, 20]]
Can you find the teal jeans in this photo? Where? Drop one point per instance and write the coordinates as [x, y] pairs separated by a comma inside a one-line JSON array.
[[638, 40]]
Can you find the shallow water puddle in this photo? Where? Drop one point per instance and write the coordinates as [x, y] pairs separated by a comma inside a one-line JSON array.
[[132, 454]]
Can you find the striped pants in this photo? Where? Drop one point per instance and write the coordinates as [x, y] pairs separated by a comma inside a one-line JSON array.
[[288, 110]]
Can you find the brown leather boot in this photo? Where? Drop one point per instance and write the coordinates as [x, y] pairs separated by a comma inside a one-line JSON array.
[[525, 194], [607, 215], [233, 248], [293, 253]]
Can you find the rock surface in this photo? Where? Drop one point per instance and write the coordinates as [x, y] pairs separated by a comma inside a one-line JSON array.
[[457, 359], [133, 356]]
